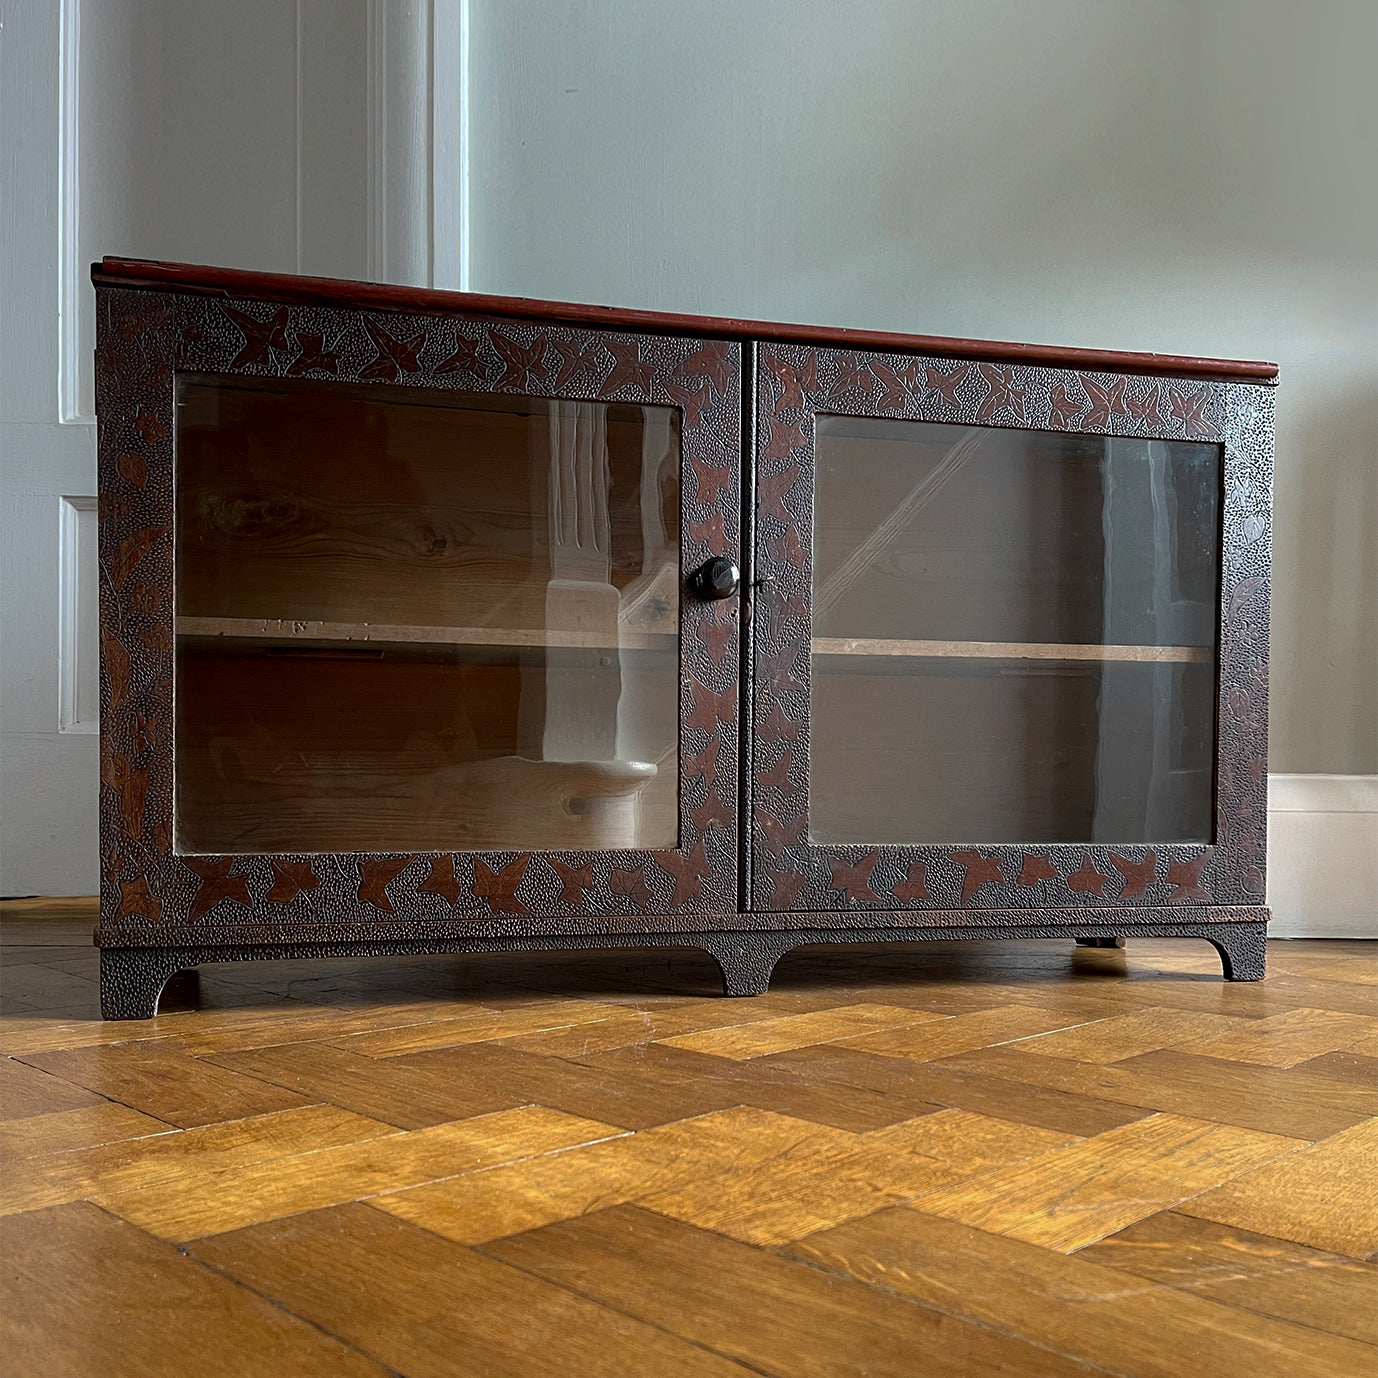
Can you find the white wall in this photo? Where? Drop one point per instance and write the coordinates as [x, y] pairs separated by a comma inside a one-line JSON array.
[[1194, 176], [1190, 176]]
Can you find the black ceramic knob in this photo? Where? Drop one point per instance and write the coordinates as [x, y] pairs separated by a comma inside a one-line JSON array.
[[719, 578]]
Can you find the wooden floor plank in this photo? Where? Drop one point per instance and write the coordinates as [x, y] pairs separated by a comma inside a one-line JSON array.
[[479, 1027], [781, 1318], [521, 1196], [1283, 1040], [954, 1087], [1270, 1100], [429, 1308], [379, 1088], [65, 1130], [1111, 1040], [1325, 1196], [151, 1164], [88, 1295], [797, 1030], [768, 1087], [635, 1098], [639, 1024], [1072, 1196], [1354, 1068], [202, 1203], [26, 1090], [1072, 1305], [165, 1082], [960, 1033], [298, 1022], [797, 1193], [1253, 1272], [48, 987]]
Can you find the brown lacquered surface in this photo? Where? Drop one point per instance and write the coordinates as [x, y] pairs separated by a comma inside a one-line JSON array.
[[381, 296], [1008, 1158]]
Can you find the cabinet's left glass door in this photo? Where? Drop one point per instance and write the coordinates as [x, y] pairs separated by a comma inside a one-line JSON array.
[[415, 620]]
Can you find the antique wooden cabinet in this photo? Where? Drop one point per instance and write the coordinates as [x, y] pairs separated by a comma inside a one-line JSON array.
[[439, 622]]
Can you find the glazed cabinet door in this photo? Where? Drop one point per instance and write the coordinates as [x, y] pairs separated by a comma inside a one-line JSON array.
[[993, 667], [432, 646]]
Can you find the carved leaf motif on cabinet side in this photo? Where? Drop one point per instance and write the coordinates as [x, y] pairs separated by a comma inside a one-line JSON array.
[[710, 479], [785, 885], [290, 878], [709, 533], [778, 775], [1138, 875], [944, 383], [574, 880], [464, 358], [708, 361], [629, 370], [1185, 878], [442, 880], [1190, 409], [705, 763], [522, 365], [260, 337], [394, 356], [1106, 402], [1064, 408], [854, 878], [375, 875], [1002, 393], [313, 355], [687, 872], [632, 883], [499, 887], [914, 886], [1035, 870], [980, 870], [771, 490], [1086, 880], [136, 898], [853, 374], [217, 884], [1148, 409], [784, 438], [695, 403], [711, 706]]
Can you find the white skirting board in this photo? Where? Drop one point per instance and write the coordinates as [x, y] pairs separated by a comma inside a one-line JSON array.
[[1323, 856]]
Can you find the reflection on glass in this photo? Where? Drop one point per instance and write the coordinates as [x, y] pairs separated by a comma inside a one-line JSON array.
[[413, 621], [1014, 636]]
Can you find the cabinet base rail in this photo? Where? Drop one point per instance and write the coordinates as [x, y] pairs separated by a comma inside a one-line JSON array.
[[132, 978]]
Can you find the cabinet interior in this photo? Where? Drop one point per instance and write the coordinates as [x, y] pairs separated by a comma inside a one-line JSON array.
[[1014, 635], [419, 620]]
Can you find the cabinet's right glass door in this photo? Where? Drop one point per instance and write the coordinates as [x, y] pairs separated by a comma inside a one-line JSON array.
[[1013, 635]]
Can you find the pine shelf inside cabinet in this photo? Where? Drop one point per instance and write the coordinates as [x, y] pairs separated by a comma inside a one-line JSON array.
[[306, 633], [1007, 650]]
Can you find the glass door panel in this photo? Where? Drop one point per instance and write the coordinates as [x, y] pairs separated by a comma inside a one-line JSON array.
[[411, 620], [1014, 635]]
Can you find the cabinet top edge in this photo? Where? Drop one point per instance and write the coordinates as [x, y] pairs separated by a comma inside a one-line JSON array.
[[151, 275]]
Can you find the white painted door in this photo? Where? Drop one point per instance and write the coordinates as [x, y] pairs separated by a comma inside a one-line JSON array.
[[289, 137]]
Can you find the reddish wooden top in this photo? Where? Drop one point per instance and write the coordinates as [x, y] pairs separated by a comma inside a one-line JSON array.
[[384, 297]]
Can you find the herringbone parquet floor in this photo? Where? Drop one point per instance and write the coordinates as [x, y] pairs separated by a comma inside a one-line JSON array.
[[1015, 1158]]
